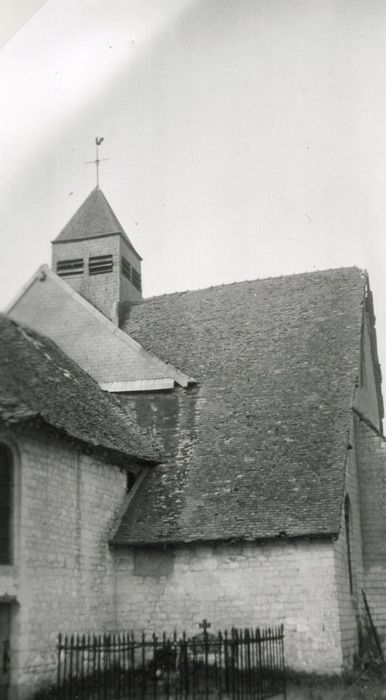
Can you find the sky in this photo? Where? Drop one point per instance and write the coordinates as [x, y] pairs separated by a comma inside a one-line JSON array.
[[244, 139], [15, 13]]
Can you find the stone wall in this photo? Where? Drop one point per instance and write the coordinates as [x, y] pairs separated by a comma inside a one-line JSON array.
[[239, 585], [366, 400], [67, 505], [102, 290], [370, 457], [371, 449], [106, 290], [350, 601], [128, 292]]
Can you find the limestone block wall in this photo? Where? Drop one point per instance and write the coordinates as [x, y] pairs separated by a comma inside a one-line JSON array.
[[127, 289], [366, 400], [239, 585], [371, 451], [67, 504], [350, 601]]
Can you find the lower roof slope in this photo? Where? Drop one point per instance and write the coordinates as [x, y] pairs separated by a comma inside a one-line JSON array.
[[276, 362], [37, 380]]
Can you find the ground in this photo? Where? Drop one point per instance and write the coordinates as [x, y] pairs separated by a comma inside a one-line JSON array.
[[369, 684]]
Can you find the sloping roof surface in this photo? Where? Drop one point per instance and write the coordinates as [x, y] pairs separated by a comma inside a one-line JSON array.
[[38, 380], [94, 218], [87, 336], [262, 452]]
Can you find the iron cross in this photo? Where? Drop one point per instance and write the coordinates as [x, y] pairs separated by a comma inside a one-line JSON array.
[[204, 625]]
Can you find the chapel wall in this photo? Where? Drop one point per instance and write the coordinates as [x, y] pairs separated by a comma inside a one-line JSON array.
[[350, 601], [128, 290], [366, 397], [240, 585], [62, 578], [371, 456]]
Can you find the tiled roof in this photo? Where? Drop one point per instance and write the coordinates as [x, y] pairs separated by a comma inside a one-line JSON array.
[[94, 218], [258, 448], [38, 381]]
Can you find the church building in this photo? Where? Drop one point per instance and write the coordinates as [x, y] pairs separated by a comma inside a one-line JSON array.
[[212, 454]]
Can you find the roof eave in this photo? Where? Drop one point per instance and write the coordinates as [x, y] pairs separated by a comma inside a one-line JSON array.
[[44, 271], [38, 422], [324, 535], [98, 235]]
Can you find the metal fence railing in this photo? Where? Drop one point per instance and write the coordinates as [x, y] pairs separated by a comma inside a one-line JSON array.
[[237, 664]]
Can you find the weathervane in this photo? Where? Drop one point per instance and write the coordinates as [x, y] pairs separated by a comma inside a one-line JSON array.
[[97, 160]]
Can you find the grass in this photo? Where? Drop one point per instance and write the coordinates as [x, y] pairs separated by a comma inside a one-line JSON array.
[[366, 684]]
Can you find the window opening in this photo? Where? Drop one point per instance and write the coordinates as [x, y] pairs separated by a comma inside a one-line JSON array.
[[66, 268], [100, 264], [130, 480], [347, 522], [6, 504], [126, 268]]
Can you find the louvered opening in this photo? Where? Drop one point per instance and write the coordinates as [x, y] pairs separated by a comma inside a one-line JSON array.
[[100, 264], [126, 268], [136, 279], [67, 268]]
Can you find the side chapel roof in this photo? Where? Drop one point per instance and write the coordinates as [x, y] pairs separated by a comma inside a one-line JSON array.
[[38, 381], [276, 362]]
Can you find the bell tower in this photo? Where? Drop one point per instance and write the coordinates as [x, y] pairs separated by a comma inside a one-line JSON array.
[[96, 258]]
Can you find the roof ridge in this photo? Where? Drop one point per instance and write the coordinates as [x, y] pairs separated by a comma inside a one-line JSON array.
[[306, 273]]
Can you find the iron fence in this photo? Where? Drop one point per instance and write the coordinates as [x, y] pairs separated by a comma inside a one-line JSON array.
[[240, 664]]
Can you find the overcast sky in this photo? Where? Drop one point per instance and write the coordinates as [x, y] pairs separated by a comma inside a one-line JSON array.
[[245, 139]]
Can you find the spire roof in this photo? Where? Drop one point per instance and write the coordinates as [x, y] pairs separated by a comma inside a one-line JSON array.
[[93, 219]]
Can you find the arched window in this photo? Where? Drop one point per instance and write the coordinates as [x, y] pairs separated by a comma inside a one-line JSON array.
[[6, 504], [348, 525]]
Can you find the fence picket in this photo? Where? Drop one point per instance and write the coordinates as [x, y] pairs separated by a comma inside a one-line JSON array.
[[241, 664]]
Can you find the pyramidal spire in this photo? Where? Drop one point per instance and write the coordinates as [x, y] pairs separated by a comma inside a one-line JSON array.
[[94, 218], [95, 256]]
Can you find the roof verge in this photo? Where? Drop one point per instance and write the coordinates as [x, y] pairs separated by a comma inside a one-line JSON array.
[[158, 368]]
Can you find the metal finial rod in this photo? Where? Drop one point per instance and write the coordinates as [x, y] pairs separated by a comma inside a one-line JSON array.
[[97, 160]]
